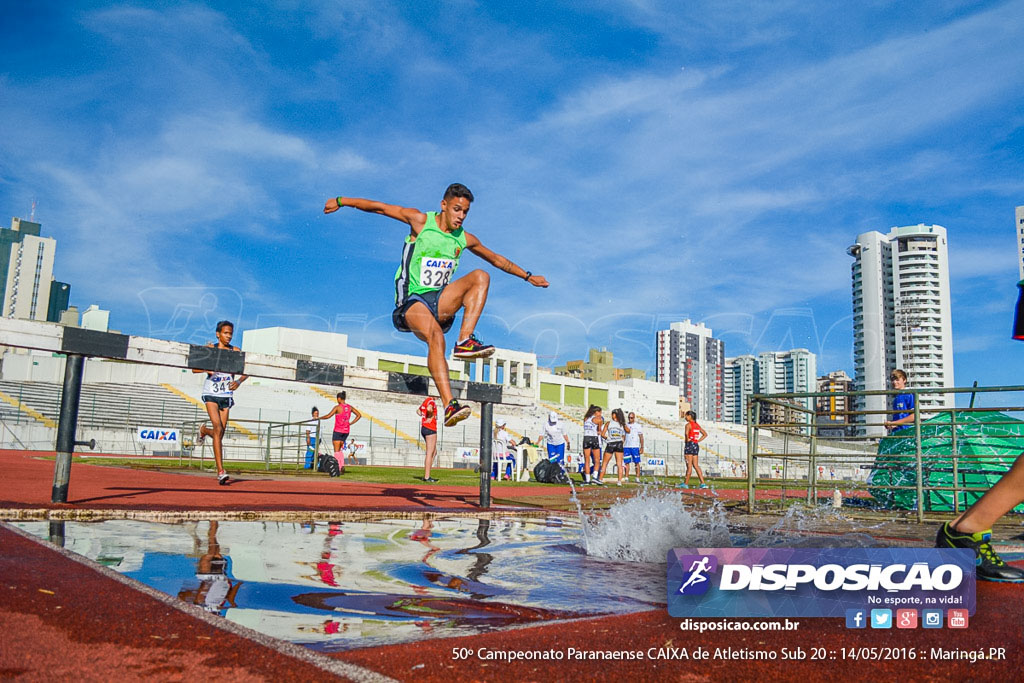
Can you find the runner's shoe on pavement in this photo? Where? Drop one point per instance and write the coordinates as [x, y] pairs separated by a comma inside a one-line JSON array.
[[990, 566], [455, 413], [472, 348]]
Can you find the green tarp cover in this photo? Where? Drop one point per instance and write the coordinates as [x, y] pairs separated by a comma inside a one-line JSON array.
[[987, 443]]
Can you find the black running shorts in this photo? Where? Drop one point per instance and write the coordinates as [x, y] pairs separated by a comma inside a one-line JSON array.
[[223, 402], [428, 299]]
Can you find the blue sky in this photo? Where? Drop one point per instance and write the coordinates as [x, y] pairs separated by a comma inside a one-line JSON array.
[[654, 160]]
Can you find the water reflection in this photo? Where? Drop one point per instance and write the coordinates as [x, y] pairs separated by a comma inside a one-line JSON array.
[[212, 588], [341, 585]]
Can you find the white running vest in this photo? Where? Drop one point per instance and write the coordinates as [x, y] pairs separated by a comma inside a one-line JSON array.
[[217, 385]]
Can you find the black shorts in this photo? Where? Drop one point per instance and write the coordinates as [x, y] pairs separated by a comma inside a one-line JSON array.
[[428, 299], [339, 436], [613, 447], [691, 448], [223, 402], [591, 442], [426, 431]]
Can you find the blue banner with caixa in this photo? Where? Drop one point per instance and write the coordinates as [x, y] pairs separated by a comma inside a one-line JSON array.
[[816, 582]]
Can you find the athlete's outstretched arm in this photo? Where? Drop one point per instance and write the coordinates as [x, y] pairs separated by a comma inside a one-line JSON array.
[[502, 263], [414, 217]]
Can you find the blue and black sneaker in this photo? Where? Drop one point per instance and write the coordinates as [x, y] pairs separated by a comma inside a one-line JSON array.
[[990, 566]]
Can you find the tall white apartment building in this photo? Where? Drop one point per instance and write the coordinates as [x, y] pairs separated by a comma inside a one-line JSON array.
[[690, 358], [771, 372], [29, 273], [1019, 223], [901, 315], [740, 379]]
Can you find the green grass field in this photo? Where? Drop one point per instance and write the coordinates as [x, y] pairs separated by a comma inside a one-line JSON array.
[[365, 473]]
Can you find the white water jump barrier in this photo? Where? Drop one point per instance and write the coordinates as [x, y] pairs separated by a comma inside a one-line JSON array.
[[78, 344]]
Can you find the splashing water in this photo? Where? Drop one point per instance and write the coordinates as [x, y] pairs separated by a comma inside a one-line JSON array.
[[796, 529], [644, 528]]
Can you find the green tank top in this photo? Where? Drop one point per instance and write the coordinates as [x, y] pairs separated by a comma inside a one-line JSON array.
[[429, 261]]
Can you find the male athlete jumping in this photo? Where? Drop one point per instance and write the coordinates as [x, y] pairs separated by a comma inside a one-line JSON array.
[[426, 298]]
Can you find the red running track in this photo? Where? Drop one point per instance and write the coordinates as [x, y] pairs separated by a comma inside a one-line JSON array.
[[28, 483], [63, 619]]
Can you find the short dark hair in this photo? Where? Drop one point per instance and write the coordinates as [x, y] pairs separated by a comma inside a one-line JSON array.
[[225, 323], [341, 395], [457, 190], [690, 413], [314, 411]]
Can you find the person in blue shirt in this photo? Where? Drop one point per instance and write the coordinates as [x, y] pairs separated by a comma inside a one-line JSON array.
[[311, 442], [902, 404]]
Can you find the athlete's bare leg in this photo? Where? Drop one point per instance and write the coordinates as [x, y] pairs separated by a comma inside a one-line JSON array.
[[421, 321], [219, 421], [431, 443], [469, 292], [997, 501]]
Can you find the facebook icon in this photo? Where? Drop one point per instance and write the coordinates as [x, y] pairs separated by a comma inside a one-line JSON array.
[[856, 618]]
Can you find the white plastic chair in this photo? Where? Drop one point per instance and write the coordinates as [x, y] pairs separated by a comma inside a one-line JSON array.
[[502, 457]]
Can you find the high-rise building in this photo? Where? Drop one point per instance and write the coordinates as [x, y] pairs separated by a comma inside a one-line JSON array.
[[770, 372], [790, 372], [689, 357], [901, 315], [60, 294], [832, 409], [29, 270], [1020, 240], [8, 239], [740, 379]]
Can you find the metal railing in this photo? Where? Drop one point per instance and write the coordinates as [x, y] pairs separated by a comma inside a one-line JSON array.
[[946, 457]]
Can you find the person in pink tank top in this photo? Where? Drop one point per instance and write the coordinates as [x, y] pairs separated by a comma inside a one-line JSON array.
[[344, 417]]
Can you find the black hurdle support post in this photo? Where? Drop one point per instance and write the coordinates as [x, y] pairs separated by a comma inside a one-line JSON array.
[[66, 427], [486, 419]]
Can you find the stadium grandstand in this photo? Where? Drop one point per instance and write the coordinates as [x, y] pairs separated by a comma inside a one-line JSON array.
[[270, 419]]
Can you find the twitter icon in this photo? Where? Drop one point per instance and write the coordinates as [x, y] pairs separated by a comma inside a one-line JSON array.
[[881, 618]]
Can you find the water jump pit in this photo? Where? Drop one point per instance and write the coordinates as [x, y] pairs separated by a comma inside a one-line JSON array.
[[335, 585]]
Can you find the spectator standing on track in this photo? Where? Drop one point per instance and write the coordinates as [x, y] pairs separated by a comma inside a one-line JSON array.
[[691, 450], [633, 447], [428, 430], [311, 442], [344, 416], [592, 422], [557, 439], [218, 396], [615, 431]]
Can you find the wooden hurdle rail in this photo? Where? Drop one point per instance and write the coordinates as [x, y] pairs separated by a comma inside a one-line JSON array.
[[77, 344]]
